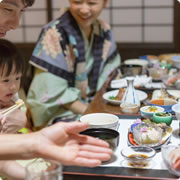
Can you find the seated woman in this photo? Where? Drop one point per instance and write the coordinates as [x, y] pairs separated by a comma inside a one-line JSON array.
[[73, 58]]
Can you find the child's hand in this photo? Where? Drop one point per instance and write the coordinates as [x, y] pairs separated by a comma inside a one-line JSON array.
[[13, 122]]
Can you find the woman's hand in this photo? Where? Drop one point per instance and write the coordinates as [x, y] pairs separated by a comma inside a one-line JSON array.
[[63, 143]]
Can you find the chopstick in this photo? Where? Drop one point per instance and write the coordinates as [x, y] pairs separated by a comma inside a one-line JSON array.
[[12, 108]]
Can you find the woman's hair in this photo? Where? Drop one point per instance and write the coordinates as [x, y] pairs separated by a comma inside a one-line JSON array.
[[10, 58], [28, 2]]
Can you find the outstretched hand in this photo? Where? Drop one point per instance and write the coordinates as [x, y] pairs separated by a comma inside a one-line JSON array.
[[63, 143]]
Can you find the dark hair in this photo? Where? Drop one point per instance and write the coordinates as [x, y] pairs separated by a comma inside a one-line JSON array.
[[9, 57], [28, 2]]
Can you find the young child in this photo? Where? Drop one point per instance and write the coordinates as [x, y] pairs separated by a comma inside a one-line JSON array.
[[12, 66]]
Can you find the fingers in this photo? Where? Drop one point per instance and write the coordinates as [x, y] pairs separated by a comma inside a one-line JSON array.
[[80, 161], [76, 127], [89, 140]]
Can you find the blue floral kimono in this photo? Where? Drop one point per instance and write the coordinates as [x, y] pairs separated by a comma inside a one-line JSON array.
[[68, 66]]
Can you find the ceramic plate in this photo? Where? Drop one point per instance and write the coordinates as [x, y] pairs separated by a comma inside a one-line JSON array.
[[157, 94], [106, 96]]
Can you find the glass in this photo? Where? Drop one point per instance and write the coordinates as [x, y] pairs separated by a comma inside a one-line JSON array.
[[130, 102], [41, 169]]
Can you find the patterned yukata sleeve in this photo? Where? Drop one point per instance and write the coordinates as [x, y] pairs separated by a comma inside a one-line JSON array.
[[47, 95]]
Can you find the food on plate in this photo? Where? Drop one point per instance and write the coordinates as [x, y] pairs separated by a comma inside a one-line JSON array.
[[151, 109], [166, 94], [119, 95], [147, 134], [165, 128]]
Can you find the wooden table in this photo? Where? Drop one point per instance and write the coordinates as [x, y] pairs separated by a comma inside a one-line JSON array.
[[111, 173]]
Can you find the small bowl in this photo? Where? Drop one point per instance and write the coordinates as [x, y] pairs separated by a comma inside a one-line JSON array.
[[167, 152], [141, 62], [131, 69], [176, 109], [164, 103], [162, 117], [147, 134], [138, 156], [148, 111], [101, 120], [176, 61], [157, 74], [109, 135]]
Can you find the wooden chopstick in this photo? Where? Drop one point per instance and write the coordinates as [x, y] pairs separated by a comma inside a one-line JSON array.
[[12, 108], [8, 109]]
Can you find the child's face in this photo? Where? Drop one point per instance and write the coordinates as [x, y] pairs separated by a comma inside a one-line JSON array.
[[9, 85], [10, 12], [86, 11]]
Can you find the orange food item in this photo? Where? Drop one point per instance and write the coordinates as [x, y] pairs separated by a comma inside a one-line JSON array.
[[120, 93], [176, 165]]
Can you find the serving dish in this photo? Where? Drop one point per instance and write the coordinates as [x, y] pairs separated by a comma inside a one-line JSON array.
[[176, 109], [147, 134], [170, 155], [130, 69], [162, 117], [138, 156], [166, 134], [164, 103], [101, 120], [157, 94], [109, 135], [107, 96], [148, 111]]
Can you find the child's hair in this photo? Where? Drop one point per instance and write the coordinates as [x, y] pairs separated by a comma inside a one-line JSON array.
[[9, 57]]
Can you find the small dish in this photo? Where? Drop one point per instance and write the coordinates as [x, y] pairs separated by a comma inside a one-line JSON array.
[[138, 156], [147, 134], [108, 135], [101, 120], [130, 69], [171, 159], [148, 111], [176, 109], [162, 117], [164, 103]]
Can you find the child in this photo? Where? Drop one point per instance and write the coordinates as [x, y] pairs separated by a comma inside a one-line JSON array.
[[12, 66]]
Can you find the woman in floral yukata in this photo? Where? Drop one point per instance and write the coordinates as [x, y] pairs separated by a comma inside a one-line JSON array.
[[73, 58]]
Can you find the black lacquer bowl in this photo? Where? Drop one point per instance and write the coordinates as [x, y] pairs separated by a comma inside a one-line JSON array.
[[109, 135]]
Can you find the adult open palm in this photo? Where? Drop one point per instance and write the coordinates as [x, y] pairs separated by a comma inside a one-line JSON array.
[[63, 143]]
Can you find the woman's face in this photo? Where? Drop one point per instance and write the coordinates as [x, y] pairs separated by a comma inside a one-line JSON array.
[[10, 12], [86, 11]]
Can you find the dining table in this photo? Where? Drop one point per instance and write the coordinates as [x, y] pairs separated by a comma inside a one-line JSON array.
[[117, 168]]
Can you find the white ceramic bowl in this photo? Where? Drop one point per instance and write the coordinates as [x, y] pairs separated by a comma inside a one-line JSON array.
[[176, 109], [176, 61], [101, 120], [142, 62], [148, 111]]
